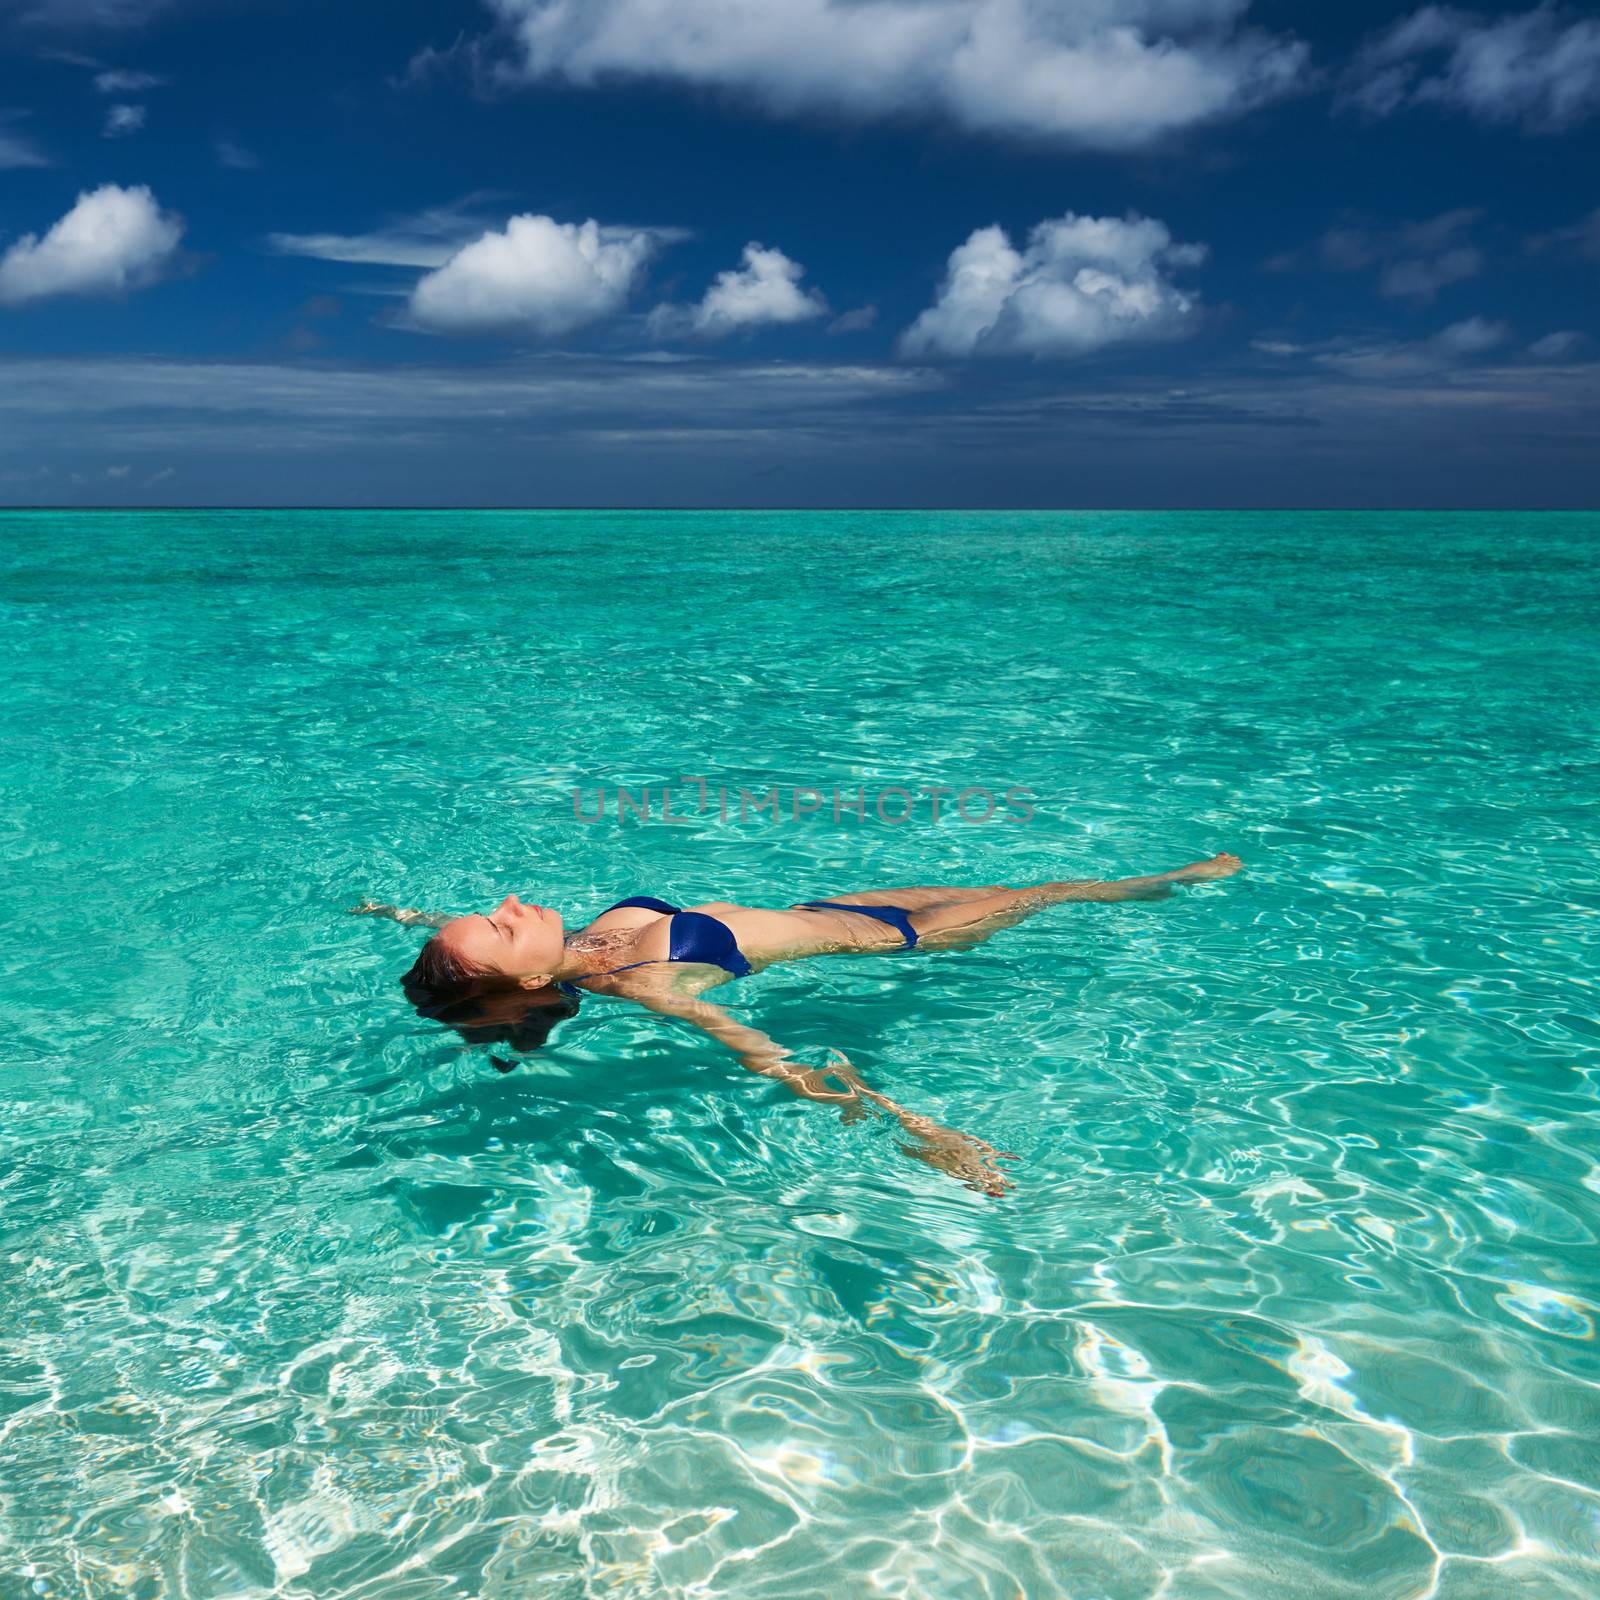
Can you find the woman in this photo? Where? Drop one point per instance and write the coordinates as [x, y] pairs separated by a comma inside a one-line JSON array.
[[511, 973]]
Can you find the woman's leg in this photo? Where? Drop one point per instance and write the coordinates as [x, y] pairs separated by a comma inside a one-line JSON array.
[[919, 898], [928, 897], [978, 917], [1157, 886]]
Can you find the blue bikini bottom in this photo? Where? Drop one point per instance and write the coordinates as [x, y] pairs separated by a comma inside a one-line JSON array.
[[897, 919]]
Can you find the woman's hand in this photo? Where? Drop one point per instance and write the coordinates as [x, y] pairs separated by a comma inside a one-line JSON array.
[[852, 1099], [970, 1160], [964, 1157], [401, 914]]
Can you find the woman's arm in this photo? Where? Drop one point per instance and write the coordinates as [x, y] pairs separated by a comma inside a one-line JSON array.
[[960, 1155], [410, 919]]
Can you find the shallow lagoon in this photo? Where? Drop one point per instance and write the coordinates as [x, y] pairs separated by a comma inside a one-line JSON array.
[[1297, 1291]]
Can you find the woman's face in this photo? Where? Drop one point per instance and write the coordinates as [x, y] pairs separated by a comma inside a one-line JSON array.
[[512, 941]]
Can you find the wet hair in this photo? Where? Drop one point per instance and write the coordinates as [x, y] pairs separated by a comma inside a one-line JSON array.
[[439, 967], [445, 989]]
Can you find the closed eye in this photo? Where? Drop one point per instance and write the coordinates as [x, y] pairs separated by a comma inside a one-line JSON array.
[[497, 928]]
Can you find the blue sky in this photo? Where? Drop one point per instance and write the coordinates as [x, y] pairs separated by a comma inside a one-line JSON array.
[[729, 252]]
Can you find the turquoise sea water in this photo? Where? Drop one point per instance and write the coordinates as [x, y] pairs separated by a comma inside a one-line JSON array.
[[1297, 1291]]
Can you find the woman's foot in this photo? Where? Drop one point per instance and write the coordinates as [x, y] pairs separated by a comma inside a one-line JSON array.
[[1221, 866], [1157, 886]]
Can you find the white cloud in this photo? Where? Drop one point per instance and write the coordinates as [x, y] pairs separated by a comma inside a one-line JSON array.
[[1459, 344], [111, 241], [237, 158], [470, 59], [764, 291], [123, 120], [118, 80], [1539, 68], [87, 13], [1567, 345], [1473, 337], [15, 149], [536, 274], [1582, 236], [425, 239], [1106, 73], [507, 430], [127, 406], [364, 249], [1423, 278], [1081, 283], [856, 321]]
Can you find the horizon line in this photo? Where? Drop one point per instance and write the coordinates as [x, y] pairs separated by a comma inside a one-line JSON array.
[[906, 509]]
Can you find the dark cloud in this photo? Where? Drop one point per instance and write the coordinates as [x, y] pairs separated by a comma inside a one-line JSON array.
[[1413, 260]]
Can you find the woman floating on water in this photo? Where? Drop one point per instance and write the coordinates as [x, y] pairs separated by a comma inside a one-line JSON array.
[[513, 972]]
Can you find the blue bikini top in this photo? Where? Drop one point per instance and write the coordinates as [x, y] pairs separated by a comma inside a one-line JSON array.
[[691, 936]]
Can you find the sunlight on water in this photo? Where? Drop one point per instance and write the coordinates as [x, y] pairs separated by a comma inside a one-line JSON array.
[[1298, 1289]]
